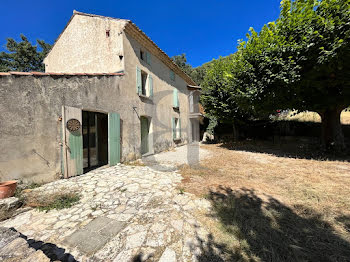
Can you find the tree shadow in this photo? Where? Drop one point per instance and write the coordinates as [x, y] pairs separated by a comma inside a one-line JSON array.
[[293, 149], [53, 252], [267, 230]]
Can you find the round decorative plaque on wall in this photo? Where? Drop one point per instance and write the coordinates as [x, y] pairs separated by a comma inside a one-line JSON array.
[[73, 125]]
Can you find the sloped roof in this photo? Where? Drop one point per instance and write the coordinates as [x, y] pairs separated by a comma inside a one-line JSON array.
[[139, 35], [57, 74]]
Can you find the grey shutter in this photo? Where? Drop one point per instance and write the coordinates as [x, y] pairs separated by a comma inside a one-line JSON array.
[[173, 127], [138, 81], [148, 58], [150, 83], [175, 98]]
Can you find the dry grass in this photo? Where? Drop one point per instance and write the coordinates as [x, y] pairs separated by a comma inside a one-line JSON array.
[[53, 200], [271, 208], [134, 163], [314, 117]]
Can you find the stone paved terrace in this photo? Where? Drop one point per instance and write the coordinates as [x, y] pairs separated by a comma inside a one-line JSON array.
[[126, 213]]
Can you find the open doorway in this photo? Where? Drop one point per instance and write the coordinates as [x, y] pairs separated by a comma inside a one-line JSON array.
[[95, 140], [145, 135]]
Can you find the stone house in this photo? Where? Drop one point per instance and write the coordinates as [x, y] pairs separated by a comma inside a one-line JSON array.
[[109, 94]]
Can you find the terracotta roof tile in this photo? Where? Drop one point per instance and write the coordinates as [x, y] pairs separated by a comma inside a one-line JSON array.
[[58, 74]]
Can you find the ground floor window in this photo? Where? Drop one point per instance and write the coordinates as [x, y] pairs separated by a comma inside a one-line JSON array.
[[176, 126]]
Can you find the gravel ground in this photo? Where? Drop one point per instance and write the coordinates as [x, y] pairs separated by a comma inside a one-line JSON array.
[[168, 161]]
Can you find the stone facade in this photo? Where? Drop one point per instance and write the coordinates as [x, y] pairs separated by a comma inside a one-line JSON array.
[[84, 62]]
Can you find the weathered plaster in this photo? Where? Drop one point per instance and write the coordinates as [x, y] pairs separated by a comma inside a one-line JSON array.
[[30, 130], [160, 108], [83, 47]]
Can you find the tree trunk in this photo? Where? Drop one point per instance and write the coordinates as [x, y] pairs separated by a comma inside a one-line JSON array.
[[235, 133], [332, 134]]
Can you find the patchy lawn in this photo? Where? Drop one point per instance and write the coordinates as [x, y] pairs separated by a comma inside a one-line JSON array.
[[272, 208]]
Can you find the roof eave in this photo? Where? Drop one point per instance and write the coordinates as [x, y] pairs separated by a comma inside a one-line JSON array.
[[133, 30]]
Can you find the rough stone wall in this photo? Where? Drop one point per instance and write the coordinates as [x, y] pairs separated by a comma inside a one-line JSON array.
[[84, 47], [160, 108], [30, 130]]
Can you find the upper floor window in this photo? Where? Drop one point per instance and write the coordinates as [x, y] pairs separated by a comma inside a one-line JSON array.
[[142, 55], [145, 56], [172, 75], [144, 83]]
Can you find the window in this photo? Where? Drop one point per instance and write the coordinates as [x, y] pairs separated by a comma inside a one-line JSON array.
[[107, 33], [176, 126], [142, 55], [144, 77], [172, 75], [145, 56], [144, 83]]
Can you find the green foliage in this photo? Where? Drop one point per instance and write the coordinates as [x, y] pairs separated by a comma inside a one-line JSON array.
[[181, 61], [196, 73], [300, 62], [23, 56], [213, 122], [60, 201]]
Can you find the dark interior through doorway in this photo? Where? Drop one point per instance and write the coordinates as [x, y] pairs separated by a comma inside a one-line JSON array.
[[95, 140]]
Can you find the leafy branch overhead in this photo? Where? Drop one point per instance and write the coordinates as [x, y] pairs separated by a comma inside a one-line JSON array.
[[300, 62], [23, 56]]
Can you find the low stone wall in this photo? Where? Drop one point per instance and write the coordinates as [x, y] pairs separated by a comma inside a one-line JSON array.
[[30, 126]]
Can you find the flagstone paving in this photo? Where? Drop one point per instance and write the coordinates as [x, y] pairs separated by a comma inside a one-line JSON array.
[[126, 213]]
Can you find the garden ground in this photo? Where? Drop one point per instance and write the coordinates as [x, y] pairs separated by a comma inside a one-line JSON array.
[[270, 207], [243, 202]]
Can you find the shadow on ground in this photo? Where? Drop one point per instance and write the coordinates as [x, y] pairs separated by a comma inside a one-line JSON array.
[[287, 149], [270, 231], [53, 252]]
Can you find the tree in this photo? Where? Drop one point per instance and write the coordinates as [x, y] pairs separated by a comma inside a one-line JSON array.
[[196, 73], [298, 62], [181, 61], [23, 56]]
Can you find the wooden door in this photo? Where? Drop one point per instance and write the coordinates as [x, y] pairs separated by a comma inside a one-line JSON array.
[[144, 135], [113, 138], [72, 141]]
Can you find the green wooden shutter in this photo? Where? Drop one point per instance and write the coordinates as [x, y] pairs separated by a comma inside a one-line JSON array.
[[113, 138], [73, 143], [76, 150], [150, 83], [175, 98], [138, 81], [173, 127], [148, 58]]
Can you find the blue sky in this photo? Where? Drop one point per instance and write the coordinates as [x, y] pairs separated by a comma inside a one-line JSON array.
[[202, 29]]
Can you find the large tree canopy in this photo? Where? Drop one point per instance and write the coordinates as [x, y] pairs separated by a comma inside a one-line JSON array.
[[23, 56], [300, 62]]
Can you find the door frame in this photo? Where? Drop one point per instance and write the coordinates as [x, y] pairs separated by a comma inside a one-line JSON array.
[[149, 137]]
